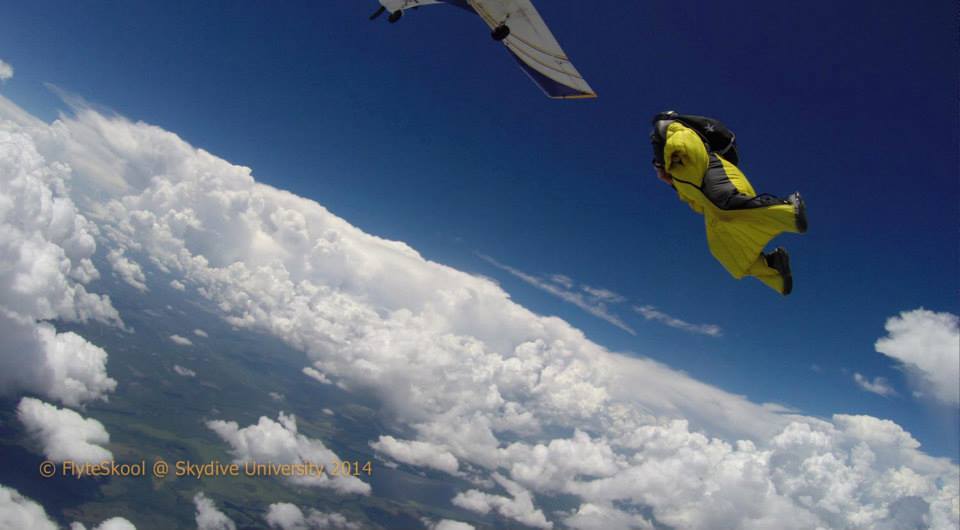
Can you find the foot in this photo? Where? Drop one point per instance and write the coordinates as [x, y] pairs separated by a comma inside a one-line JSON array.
[[779, 261], [799, 211]]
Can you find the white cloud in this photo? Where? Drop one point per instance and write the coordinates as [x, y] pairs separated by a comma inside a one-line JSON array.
[[313, 373], [128, 270], [17, 511], [878, 386], [518, 506], [178, 285], [559, 288], [276, 396], [6, 71], [20, 513], [548, 467], [62, 433], [59, 366], [209, 517], [278, 442], [604, 295], [46, 250], [200, 333], [185, 372], [286, 516], [652, 313], [114, 523], [590, 516], [928, 345], [447, 524], [462, 367], [181, 341], [415, 453]]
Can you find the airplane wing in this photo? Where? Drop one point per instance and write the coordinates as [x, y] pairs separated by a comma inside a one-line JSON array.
[[534, 46], [529, 40], [400, 5]]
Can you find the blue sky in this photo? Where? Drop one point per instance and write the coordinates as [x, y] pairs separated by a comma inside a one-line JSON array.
[[427, 132]]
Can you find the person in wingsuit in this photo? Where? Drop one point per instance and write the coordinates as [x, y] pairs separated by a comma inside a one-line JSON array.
[[697, 156]]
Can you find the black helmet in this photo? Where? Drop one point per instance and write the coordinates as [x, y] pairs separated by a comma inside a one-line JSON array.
[[658, 135]]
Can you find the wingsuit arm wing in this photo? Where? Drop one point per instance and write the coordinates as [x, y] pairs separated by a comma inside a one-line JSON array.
[[685, 155], [692, 204]]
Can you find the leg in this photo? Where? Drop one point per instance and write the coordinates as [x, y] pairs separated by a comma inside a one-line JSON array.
[[727, 188], [774, 271]]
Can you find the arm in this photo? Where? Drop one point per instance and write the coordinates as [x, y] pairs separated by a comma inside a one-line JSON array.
[[663, 175]]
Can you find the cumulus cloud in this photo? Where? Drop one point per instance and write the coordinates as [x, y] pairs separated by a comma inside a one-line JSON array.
[[208, 516], [17, 511], [927, 344], [279, 442], [114, 523], [200, 333], [46, 250], [21, 513], [62, 433], [178, 285], [517, 506], [6, 71], [316, 375], [559, 287], [652, 313], [59, 366], [181, 341], [128, 270], [458, 365], [590, 516], [878, 386], [185, 372], [415, 453], [276, 396], [286, 516], [447, 524]]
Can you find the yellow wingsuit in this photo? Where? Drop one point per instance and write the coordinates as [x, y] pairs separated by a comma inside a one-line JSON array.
[[736, 236]]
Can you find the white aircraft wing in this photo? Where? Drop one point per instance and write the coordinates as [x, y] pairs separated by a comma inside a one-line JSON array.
[[529, 41], [400, 5], [534, 46]]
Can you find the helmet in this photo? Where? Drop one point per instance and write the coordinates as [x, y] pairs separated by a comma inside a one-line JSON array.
[[658, 135]]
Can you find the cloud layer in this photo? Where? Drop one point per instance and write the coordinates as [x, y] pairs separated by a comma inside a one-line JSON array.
[[651, 313], [593, 301], [524, 405]]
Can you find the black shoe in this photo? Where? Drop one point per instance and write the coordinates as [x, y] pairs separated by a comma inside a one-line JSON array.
[[799, 210], [779, 261]]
